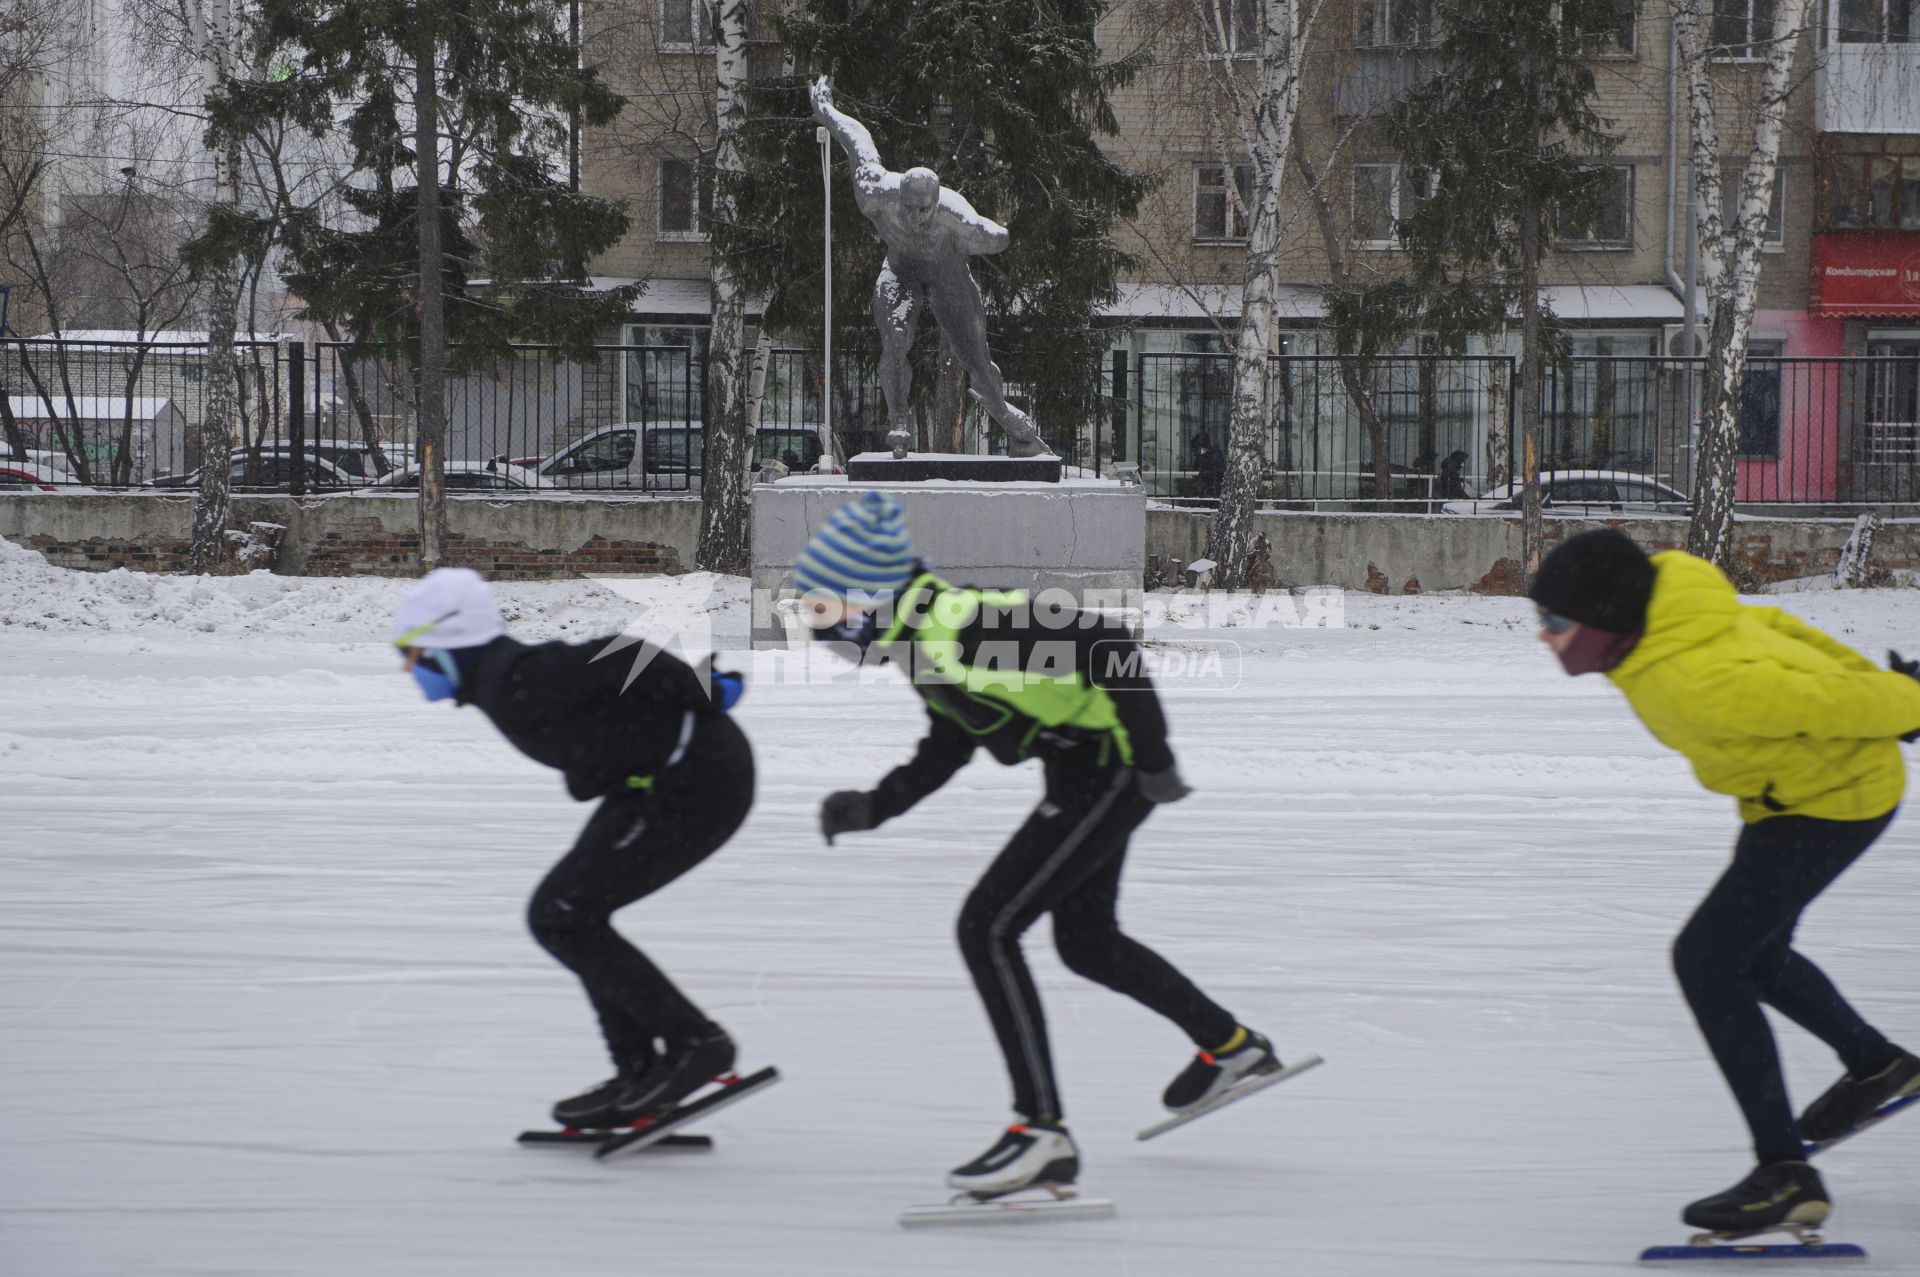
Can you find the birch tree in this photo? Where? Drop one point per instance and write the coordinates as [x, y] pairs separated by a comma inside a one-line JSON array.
[[1730, 253], [726, 501], [214, 28], [1261, 100]]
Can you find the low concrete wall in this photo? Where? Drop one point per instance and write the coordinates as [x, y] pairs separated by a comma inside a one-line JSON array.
[[1413, 553], [1077, 535], [519, 539]]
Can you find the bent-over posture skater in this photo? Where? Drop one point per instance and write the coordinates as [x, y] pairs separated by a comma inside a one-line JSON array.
[[1062, 689], [674, 778], [929, 233], [1803, 731]]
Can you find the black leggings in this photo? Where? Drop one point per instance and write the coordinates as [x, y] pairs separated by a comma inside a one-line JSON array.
[[1066, 859], [1736, 953], [634, 845]]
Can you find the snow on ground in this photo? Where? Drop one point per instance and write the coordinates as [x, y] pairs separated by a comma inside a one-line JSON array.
[[269, 1006]]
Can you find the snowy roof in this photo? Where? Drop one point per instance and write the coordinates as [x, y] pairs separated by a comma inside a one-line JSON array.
[[1578, 303], [1207, 301], [164, 336], [89, 407]]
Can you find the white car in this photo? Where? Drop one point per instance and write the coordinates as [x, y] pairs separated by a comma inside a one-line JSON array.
[[1583, 492], [662, 456], [462, 477]]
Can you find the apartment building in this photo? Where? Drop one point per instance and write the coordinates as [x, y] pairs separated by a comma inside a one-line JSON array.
[[1841, 273]]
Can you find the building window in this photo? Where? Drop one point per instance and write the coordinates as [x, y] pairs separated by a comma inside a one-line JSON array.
[[683, 201], [1382, 195], [1878, 21], [1870, 193], [1218, 218], [1613, 36], [685, 26], [1742, 29], [1389, 23], [1775, 235], [1234, 27], [1613, 219], [1759, 426]]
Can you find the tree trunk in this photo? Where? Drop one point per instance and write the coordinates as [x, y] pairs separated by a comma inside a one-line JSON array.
[[1729, 256], [430, 417], [1269, 139], [726, 496], [1499, 410], [213, 34], [1532, 526]]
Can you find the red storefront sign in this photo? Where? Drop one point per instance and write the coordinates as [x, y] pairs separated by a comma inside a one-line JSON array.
[[1865, 274]]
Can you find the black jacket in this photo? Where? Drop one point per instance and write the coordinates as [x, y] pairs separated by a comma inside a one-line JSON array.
[[1101, 652], [560, 706]]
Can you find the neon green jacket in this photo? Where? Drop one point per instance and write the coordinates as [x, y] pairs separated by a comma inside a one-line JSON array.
[[1766, 708]]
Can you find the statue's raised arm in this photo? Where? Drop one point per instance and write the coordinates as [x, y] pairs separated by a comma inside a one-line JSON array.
[[869, 174]]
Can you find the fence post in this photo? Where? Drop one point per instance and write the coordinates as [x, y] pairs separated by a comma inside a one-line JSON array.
[[1119, 413], [297, 415]]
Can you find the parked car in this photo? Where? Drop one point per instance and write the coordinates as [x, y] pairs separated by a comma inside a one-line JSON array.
[[462, 476], [272, 473], [27, 476], [1583, 491], [660, 456]]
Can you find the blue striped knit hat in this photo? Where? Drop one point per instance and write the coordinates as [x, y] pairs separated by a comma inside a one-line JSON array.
[[862, 547]]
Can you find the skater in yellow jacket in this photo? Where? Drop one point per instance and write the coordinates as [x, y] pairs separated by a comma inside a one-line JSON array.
[[1804, 733]]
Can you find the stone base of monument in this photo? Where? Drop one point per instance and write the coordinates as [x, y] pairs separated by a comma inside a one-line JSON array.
[[918, 467], [1084, 536]]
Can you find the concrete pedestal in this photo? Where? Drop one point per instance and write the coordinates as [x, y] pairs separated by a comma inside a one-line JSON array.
[[1078, 535]]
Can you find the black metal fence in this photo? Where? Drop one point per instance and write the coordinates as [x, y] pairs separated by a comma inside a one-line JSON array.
[[1617, 432]]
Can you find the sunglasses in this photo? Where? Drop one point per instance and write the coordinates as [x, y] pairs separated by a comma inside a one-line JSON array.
[[1554, 623]]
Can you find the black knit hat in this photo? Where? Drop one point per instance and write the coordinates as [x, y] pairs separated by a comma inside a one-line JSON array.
[[1600, 579]]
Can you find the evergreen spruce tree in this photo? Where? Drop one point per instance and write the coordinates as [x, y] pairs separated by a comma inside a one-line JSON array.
[[1504, 129], [456, 116], [1006, 101]]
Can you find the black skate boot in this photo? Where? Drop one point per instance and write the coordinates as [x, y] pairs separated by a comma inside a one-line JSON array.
[[1852, 1100], [1211, 1072], [594, 1108], [672, 1077], [1774, 1195], [1026, 1154]]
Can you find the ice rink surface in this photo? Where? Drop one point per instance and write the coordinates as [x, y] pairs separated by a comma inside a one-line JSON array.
[[270, 1008]]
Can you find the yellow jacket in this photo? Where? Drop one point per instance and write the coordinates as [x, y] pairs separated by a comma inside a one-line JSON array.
[[1765, 707]]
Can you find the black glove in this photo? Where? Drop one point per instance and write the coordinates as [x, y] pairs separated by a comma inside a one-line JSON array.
[[846, 811], [1163, 787], [1912, 670]]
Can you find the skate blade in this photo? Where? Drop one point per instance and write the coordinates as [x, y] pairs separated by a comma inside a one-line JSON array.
[[664, 1124], [1061, 1203], [1807, 1246], [1232, 1095], [597, 1137]]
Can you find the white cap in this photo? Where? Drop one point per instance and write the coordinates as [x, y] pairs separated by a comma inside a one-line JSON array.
[[449, 607]]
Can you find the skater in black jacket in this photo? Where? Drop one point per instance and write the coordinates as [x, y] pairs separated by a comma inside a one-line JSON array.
[[674, 778], [1070, 692]]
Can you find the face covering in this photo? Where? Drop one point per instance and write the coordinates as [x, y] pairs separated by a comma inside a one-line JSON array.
[[1595, 651], [437, 674], [857, 629]]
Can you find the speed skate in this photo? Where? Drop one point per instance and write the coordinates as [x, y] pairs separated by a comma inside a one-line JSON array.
[[1807, 1247], [1034, 1202], [1232, 1095]]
